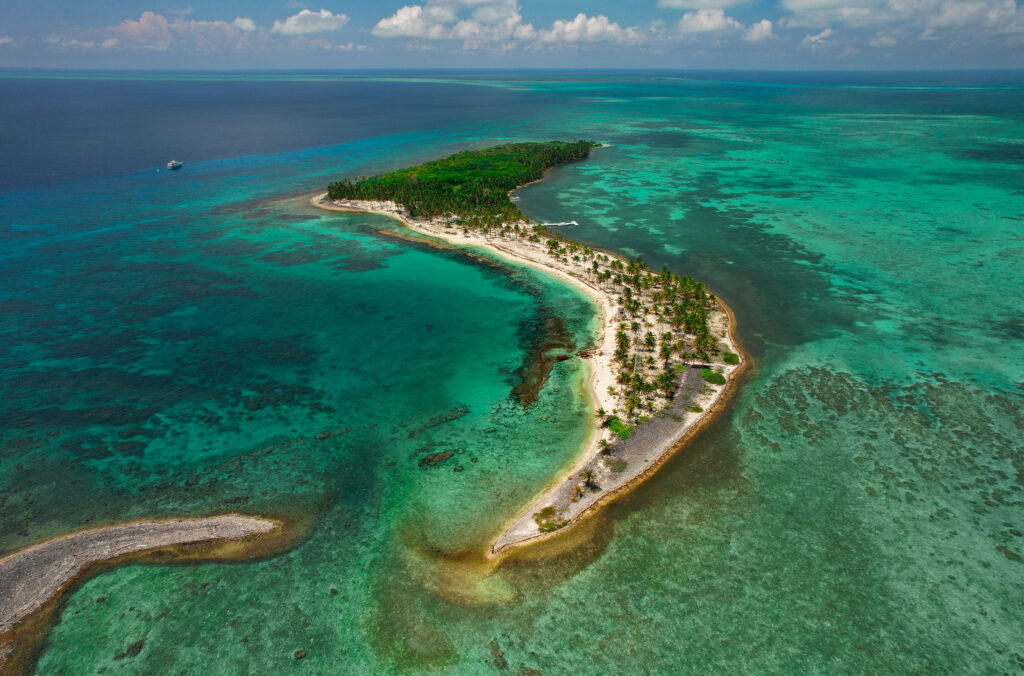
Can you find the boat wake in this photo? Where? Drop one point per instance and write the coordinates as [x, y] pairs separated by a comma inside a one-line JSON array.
[[562, 223]]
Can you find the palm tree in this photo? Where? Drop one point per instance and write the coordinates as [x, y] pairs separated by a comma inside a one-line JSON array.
[[587, 475], [667, 383], [666, 352]]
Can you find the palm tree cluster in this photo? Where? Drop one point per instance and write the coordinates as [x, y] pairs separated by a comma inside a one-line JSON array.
[[663, 317], [664, 321]]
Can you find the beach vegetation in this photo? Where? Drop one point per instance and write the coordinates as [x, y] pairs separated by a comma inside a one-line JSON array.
[[619, 428], [547, 520], [473, 184], [731, 358], [712, 377], [615, 465], [663, 316]]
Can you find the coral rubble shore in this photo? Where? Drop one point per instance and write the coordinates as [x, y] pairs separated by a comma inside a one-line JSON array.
[[31, 577]]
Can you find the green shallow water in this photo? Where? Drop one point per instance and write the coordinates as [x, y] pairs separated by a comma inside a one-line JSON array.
[[856, 509]]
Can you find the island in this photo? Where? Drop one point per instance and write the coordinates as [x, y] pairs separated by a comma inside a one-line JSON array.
[[665, 355], [32, 579]]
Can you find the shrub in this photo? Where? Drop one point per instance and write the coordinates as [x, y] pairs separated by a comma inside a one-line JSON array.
[[712, 377], [694, 408], [618, 466], [547, 521], [619, 428], [731, 358]]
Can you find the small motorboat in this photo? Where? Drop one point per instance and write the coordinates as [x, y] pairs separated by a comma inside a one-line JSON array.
[[174, 164]]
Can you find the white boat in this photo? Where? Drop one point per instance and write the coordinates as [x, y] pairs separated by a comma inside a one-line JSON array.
[[174, 164]]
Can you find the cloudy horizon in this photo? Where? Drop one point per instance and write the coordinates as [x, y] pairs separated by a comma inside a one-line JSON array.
[[685, 34]]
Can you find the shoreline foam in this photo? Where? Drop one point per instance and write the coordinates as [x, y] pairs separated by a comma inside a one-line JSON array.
[[523, 528]]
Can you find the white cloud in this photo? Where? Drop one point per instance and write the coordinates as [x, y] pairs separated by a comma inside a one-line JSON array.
[[707, 21], [413, 22], [210, 36], [154, 32], [351, 47], [149, 31], [699, 4], [308, 21], [977, 16], [820, 38], [882, 40], [585, 28], [478, 22], [488, 20], [989, 13], [6, 41], [74, 43], [244, 24], [762, 30]]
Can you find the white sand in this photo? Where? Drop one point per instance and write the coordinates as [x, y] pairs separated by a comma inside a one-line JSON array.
[[523, 527]]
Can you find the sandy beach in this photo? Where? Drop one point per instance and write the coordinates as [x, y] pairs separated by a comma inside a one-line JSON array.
[[652, 443]]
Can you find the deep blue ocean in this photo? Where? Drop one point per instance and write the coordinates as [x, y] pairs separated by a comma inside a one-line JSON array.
[[203, 341]]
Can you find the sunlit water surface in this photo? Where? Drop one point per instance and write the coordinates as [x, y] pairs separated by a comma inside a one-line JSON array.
[[204, 341]]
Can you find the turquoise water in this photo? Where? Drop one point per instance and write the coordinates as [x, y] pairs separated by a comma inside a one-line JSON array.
[[203, 344]]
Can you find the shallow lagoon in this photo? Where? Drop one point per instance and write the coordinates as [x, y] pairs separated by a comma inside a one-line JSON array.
[[185, 346]]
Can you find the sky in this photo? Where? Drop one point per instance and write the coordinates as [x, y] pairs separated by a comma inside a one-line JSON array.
[[356, 34]]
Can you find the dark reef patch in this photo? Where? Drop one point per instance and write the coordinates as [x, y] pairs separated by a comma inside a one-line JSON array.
[[442, 419], [540, 359], [1002, 153]]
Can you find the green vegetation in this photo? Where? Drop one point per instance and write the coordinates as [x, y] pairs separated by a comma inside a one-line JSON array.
[[731, 358], [619, 428], [547, 520], [615, 465], [663, 316], [712, 377], [472, 185], [694, 408]]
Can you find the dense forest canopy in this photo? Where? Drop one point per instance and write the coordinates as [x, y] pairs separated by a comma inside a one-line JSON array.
[[473, 184]]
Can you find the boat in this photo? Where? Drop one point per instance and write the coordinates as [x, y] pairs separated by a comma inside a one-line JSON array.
[[174, 164]]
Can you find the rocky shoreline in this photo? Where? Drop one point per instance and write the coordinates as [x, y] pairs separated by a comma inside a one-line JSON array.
[[33, 577]]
